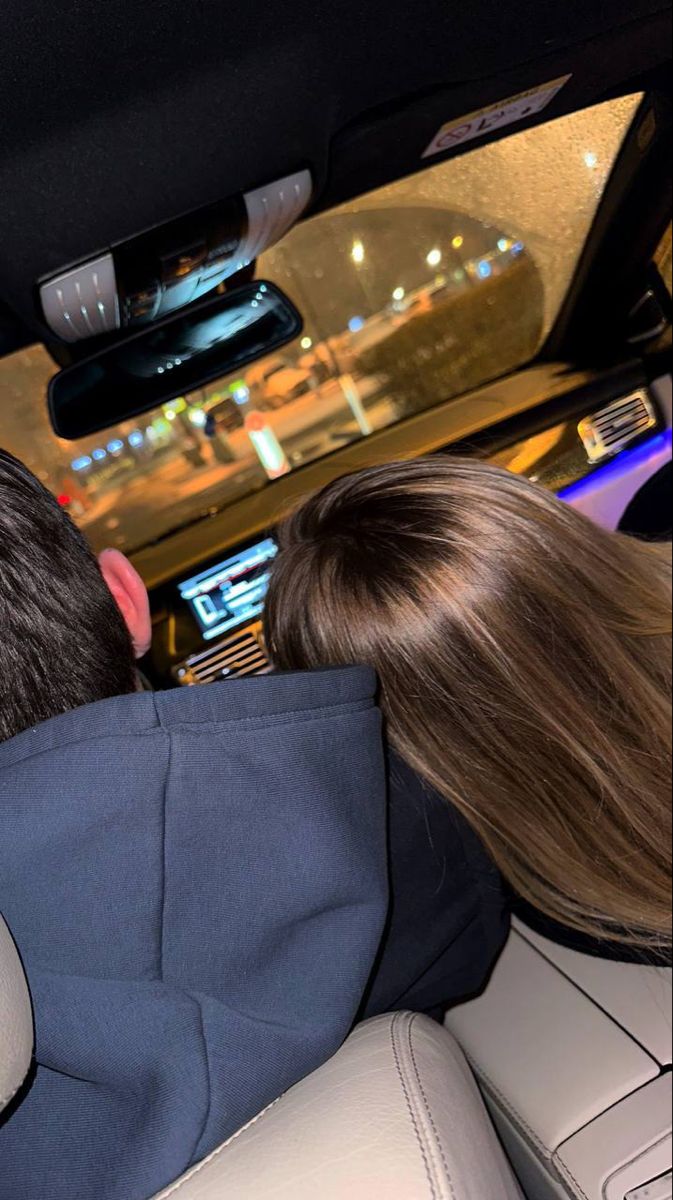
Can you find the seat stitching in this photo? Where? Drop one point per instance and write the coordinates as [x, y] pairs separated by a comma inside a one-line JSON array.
[[565, 1169], [428, 1110], [396, 1058], [521, 1121], [175, 1187], [577, 1185]]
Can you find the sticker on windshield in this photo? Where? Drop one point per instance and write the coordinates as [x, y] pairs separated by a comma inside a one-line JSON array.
[[516, 108]]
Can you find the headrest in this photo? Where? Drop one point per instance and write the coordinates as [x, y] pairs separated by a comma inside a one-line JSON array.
[[16, 1020]]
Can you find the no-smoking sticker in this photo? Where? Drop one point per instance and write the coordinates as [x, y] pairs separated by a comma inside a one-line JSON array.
[[507, 112]]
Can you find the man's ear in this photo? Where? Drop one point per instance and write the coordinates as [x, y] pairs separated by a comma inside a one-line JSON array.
[[130, 595]]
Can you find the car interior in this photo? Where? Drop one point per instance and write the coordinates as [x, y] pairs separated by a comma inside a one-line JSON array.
[[244, 251]]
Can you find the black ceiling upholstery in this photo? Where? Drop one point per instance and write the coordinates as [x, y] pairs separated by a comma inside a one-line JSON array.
[[121, 114]]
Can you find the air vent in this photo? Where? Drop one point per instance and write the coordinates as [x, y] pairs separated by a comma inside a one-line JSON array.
[[608, 431], [241, 653]]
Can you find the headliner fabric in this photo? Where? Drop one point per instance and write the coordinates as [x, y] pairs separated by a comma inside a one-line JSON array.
[[118, 117], [197, 882]]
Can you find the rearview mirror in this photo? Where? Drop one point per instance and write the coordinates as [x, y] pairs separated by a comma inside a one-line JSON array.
[[170, 359]]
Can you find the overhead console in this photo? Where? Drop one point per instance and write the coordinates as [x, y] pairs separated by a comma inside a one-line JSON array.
[[150, 276]]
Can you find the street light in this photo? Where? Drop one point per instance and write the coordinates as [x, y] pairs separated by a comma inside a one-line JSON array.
[[434, 258], [358, 252]]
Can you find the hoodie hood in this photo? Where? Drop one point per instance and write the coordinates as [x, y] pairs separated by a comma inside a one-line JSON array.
[[197, 883]]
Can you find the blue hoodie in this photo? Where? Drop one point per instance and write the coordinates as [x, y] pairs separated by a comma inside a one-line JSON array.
[[197, 882]]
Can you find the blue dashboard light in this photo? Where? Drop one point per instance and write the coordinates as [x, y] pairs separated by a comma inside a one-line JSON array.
[[619, 466], [484, 269], [115, 447], [518, 248], [136, 439], [81, 463], [356, 324], [99, 455]]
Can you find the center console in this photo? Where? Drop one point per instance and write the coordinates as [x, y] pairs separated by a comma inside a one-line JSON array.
[[573, 1055], [225, 601]]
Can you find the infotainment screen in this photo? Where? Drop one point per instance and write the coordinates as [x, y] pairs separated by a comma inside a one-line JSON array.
[[232, 591]]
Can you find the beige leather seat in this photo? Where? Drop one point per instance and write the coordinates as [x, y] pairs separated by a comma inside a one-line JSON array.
[[395, 1115], [574, 1058], [16, 1020]]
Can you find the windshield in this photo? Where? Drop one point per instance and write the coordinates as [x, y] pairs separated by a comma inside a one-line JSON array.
[[411, 295]]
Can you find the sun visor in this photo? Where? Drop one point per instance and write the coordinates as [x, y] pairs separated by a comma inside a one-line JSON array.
[[397, 141], [151, 276]]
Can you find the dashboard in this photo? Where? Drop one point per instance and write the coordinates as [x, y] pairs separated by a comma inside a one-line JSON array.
[[231, 592], [226, 602], [595, 448]]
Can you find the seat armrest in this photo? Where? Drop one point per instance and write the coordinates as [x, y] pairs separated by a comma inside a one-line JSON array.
[[395, 1113], [16, 1020], [569, 1051]]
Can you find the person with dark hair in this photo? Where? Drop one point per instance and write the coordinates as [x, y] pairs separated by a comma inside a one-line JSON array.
[[207, 885], [183, 970], [51, 589]]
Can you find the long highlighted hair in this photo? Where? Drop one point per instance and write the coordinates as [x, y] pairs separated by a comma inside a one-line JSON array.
[[524, 658]]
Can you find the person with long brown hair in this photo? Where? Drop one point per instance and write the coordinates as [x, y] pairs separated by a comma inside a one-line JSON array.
[[524, 660]]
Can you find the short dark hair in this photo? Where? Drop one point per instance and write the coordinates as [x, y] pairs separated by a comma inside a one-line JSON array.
[[63, 642]]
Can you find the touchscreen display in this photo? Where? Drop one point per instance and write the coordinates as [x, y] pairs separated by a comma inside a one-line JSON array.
[[231, 592]]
